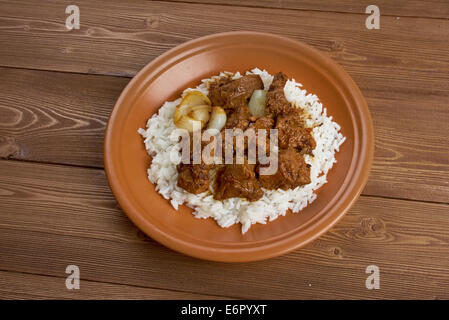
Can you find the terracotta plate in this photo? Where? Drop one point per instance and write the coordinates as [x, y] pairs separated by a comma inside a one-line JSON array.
[[167, 76]]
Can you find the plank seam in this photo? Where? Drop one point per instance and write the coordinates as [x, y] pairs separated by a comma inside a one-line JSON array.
[[121, 284], [70, 72], [298, 9]]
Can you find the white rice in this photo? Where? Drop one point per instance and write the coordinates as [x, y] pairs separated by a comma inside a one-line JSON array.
[[163, 174]]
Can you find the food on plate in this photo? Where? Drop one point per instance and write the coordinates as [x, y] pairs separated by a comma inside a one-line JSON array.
[[253, 146]]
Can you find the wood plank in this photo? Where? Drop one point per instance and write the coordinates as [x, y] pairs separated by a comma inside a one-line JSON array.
[[60, 118], [14, 285], [408, 240], [55, 117], [405, 51], [413, 8]]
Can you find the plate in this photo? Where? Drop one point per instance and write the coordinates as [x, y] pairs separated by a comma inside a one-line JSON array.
[[164, 78]]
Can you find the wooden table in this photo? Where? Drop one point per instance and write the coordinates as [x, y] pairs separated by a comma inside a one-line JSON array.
[[58, 87]]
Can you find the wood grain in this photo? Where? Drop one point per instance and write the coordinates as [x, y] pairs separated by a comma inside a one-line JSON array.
[[14, 285], [119, 38], [60, 118], [55, 117], [413, 8], [89, 230]]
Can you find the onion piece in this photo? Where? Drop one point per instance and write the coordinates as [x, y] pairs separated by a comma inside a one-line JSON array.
[[201, 113], [193, 112], [185, 117], [195, 98], [257, 103], [217, 118], [189, 124]]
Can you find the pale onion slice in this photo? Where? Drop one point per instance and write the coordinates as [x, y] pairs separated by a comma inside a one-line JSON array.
[[257, 103], [193, 112], [185, 117], [189, 124], [201, 113], [217, 119], [194, 98]]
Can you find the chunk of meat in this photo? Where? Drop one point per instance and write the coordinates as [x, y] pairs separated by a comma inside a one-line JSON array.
[[215, 90], [238, 180], [292, 133], [239, 118], [265, 122], [231, 94], [276, 101], [292, 171], [193, 178]]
